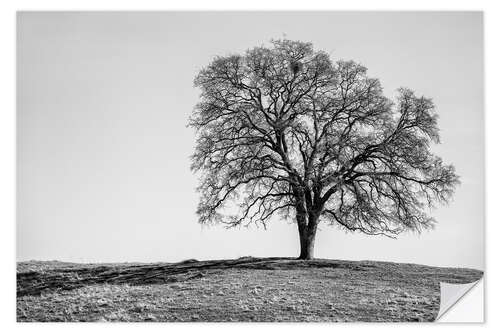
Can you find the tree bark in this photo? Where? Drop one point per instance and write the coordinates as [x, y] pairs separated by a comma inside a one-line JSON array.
[[307, 235]]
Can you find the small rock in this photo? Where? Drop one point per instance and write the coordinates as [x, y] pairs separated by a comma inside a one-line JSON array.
[[150, 317]]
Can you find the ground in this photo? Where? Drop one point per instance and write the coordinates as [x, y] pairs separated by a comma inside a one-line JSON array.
[[245, 289]]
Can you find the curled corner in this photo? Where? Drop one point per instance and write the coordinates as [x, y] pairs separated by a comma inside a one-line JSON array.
[[451, 294]]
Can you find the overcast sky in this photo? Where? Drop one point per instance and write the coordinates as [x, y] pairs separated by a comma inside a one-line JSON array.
[[103, 149]]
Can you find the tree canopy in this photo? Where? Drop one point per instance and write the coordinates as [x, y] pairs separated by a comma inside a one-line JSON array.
[[284, 129]]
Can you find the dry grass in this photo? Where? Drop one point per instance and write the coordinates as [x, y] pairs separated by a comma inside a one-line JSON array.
[[247, 289]]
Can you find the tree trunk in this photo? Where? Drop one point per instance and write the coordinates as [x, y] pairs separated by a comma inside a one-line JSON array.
[[306, 247], [307, 234]]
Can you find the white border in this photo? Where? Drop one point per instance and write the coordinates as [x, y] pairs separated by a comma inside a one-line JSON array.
[[7, 145]]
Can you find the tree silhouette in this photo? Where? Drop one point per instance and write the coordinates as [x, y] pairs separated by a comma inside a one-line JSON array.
[[283, 129]]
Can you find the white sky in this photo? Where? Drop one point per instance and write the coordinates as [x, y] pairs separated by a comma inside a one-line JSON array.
[[103, 148]]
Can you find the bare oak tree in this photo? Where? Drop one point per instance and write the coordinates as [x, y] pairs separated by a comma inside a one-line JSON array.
[[283, 129]]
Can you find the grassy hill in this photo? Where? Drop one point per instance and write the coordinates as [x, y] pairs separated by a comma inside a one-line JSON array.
[[245, 289]]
